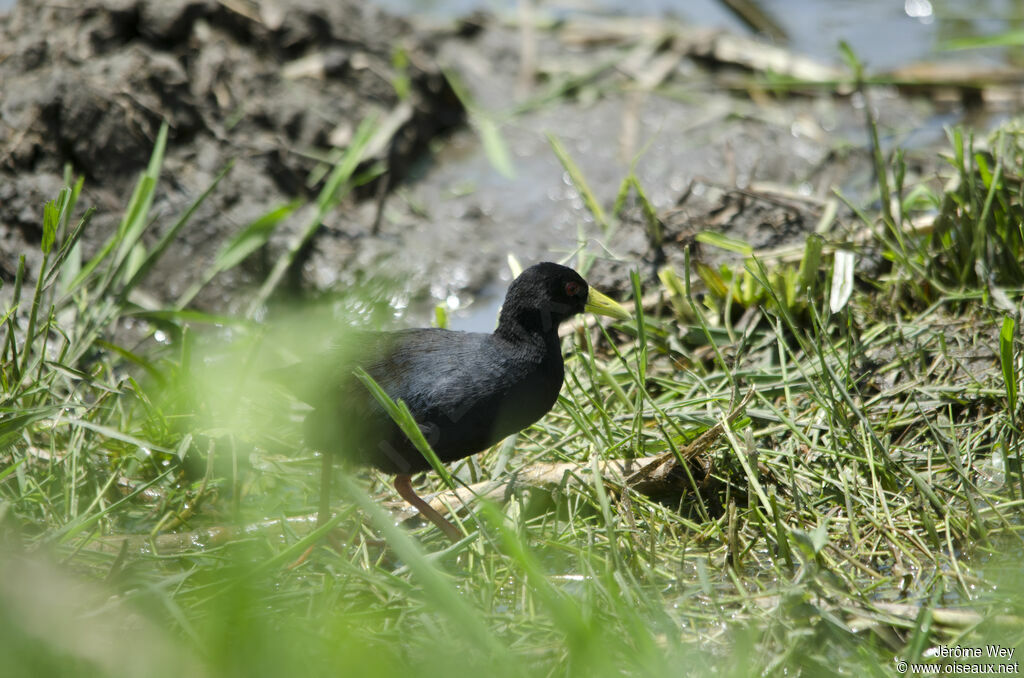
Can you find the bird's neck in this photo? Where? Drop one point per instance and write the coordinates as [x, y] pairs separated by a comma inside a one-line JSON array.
[[543, 321], [535, 331]]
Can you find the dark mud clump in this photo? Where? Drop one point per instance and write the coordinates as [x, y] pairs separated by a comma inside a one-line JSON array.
[[272, 86], [761, 219]]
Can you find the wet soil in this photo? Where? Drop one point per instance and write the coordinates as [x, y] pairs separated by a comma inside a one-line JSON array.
[[270, 86], [708, 152], [275, 86]]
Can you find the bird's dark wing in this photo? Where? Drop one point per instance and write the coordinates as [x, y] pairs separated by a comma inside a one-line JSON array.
[[440, 371], [465, 390]]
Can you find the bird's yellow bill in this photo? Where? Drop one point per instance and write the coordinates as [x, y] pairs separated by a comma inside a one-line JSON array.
[[599, 303]]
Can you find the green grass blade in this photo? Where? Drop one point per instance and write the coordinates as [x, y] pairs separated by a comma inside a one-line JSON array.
[[1006, 359], [487, 128], [254, 236], [580, 182], [335, 188], [724, 242], [67, 264], [445, 599], [135, 223], [1007, 39], [12, 428], [153, 256], [495, 146], [399, 412], [251, 238]]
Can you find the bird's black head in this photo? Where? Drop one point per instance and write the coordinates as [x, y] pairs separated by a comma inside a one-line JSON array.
[[542, 297]]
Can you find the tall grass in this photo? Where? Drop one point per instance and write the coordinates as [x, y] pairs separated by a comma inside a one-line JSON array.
[[863, 506]]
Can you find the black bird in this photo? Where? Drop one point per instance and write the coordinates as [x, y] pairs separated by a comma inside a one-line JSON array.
[[466, 391]]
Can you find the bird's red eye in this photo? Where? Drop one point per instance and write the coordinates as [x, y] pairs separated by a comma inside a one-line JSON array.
[[572, 288]]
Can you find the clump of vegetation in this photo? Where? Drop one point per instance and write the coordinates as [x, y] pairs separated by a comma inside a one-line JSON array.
[[860, 505]]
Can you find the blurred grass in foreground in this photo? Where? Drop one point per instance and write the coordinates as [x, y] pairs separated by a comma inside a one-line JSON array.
[[867, 506]]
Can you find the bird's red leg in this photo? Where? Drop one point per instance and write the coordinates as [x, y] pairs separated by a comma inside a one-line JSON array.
[[403, 483]]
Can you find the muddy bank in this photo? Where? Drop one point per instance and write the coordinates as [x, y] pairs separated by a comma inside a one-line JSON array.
[[682, 107], [270, 86], [276, 86]]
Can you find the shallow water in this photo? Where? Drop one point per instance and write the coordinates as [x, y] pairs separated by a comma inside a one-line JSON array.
[[538, 215], [542, 213], [884, 33]]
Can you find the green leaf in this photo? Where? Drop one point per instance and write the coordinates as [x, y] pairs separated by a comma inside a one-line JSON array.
[[1006, 358], [68, 262], [641, 328], [254, 236], [713, 279], [336, 187], [137, 216], [438, 589], [148, 260], [12, 468], [51, 219], [851, 59], [724, 242], [676, 291], [568, 617], [400, 81], [620, 197], [399, 412], [486, 126], [85, 521], [1007, 39], [251, 238], [114, 434], [810, 262], [811, 543], [983, 169], [495, 146], [12, 427], [578, 180], [441, 316], [186, 316]]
